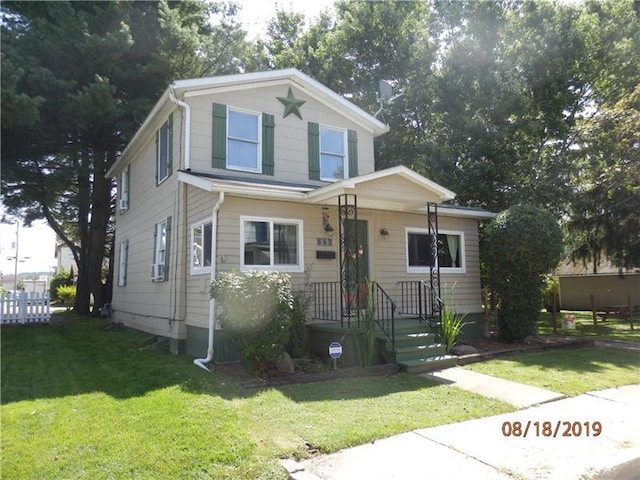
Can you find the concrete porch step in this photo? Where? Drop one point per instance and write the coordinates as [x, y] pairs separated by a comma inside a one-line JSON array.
[[404, 340], [421, 365], [415, 352]]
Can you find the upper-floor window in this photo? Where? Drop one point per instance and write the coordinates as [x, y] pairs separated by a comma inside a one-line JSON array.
[[333, 164], [242, 140], [271, 243], [124, 190], [333, 153], [201, 242], [164, 151], [451, 253]]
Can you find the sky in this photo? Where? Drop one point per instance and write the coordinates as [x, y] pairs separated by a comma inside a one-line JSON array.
[[255, 14], [36, 248], [36, 244]]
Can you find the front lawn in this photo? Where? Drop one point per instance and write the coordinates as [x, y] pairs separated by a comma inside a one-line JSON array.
[[571, 372], [82, 402]]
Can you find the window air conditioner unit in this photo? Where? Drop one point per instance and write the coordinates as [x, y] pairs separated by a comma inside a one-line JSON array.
[[157, 272], [124, 204]]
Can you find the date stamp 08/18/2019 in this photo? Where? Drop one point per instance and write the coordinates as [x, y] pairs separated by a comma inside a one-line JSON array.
[[555, 429]]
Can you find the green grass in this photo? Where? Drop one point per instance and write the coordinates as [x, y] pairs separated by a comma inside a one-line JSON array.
[[571, 372], [613, 328], [78, 401]]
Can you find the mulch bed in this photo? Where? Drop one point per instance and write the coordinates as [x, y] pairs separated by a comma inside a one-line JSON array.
[[487, 348]]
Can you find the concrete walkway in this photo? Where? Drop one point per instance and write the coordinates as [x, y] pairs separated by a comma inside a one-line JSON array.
[[516, 394], [560, 441]]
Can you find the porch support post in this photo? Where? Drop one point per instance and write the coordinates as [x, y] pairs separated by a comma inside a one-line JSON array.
[[348, 237], [435, 296]]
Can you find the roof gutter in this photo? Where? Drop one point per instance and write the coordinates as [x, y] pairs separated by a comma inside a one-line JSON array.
[[202, 362], [187, 127]]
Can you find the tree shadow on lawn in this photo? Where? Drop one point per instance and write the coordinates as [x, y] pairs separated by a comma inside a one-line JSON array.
[[79, 357]]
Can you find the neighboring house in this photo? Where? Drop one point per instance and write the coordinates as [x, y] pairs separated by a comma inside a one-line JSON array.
[[579, 286], [269, 171], [64, 259]]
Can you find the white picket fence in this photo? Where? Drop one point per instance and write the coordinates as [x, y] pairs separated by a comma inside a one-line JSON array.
[[24, 307]]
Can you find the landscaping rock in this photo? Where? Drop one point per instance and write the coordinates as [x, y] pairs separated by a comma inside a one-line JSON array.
[[463, 350], [285, 363]]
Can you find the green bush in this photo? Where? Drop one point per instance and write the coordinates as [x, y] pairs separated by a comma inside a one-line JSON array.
[[452, 322], [256, 310], [66, 294], [61, 278], [523, 244]]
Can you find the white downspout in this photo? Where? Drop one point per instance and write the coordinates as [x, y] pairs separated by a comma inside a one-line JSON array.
[[187, 127], [201, 362]]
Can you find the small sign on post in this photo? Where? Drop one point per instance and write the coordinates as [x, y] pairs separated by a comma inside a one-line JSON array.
[[335, 352]]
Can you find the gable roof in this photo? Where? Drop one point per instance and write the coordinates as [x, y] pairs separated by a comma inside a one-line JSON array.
[[182, 89], [289, 76]]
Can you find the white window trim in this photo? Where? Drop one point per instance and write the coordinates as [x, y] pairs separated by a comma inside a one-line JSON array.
[[169, 153], [298, 268], [122, 263], [200, 270], [345, 155], [450, 270], [259, 143]]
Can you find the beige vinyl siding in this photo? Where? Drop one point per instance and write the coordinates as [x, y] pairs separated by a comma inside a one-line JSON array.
[[388, 262], [229, 248], [291, 151], [158, 307]]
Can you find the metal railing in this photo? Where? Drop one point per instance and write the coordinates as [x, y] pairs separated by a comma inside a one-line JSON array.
[[329, 305], [326, 301], [420, 299], [385, 313]]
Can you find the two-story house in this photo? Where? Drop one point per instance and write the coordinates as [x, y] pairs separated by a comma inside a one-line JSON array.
[[272, 170]]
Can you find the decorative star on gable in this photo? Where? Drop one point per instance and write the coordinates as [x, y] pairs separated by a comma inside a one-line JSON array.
[[291, 104]]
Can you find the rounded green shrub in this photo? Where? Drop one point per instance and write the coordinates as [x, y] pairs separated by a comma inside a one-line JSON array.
[[523, 244]]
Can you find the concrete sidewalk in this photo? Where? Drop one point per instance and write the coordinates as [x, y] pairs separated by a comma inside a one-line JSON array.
[[516, 394], [560, 443]]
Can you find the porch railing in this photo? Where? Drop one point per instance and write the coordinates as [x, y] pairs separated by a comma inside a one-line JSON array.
[[385, 314], [23, 307], [326, 301], [329, 305], [418, 298]]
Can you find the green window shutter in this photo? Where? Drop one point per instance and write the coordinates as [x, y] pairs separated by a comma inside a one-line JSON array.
[[157, 154], [170, 147], [155, 236], [352, 152], [219, 135], [167, 250], [268, 127], [314, 151]]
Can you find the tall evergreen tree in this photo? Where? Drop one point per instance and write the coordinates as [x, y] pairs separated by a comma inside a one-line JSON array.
[[78, 78]]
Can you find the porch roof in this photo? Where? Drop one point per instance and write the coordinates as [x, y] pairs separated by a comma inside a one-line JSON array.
[[396, 189]]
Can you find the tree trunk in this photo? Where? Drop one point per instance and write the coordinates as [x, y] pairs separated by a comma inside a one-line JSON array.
[[100, 213]]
